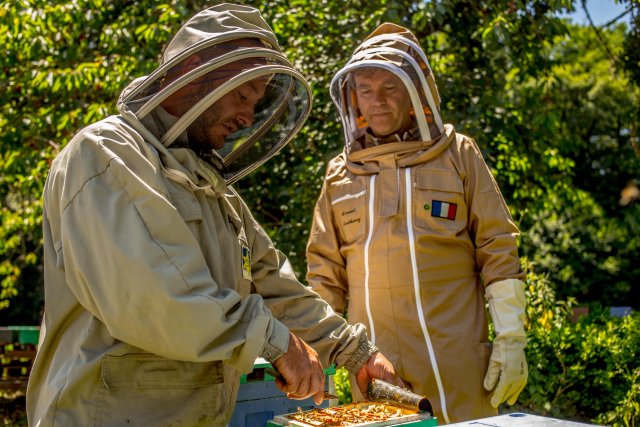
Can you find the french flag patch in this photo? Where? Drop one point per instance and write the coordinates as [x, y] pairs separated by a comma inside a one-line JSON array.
[[443, 209]]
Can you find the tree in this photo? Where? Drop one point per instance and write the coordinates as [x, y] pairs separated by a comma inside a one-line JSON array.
[[63, 67], [319, 37], [556, 119]]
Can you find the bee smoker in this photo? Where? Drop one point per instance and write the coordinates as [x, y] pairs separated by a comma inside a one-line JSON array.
[[384, 392]]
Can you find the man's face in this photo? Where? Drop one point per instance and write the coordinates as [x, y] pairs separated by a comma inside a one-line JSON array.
[[383, 100], [228, 114]]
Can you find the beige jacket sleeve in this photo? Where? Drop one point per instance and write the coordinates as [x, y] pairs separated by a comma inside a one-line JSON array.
[[300, 308], [490, 223], [132, 262], [326, 272]]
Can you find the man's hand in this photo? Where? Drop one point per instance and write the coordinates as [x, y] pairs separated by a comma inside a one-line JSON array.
[[379, 367], [302, 371]]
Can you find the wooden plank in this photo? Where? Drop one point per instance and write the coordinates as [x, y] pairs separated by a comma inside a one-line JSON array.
[[14, 384]]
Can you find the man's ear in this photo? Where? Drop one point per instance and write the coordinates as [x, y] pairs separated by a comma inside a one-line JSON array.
[[191, 63], [175, 103]]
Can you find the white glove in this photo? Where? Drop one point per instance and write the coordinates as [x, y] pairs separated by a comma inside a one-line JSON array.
[[508, 365]]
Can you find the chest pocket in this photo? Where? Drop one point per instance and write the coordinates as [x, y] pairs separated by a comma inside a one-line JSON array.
[[189, 209], [349, 210], [439, 201]]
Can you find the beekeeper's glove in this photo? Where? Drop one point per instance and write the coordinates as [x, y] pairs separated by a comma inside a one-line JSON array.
[[508, 372]]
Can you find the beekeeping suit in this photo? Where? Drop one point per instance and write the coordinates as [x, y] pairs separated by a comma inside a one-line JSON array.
[[411, 236], [160, 287]]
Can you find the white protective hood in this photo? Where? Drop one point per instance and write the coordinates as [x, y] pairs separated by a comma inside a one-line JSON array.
[[395, 49], [220, 34]]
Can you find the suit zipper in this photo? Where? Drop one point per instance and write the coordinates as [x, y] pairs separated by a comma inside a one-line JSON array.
[[416, 287]]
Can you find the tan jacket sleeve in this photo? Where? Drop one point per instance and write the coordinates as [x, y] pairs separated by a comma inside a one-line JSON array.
[[300, 308], [326, 273], [490, 223]]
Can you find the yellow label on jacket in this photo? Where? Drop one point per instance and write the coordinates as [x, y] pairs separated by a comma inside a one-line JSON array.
[[246, 263]]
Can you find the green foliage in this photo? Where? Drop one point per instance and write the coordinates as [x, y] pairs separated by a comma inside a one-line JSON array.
[[574, 222], [585, 369], [627, 413], [318, 37], [63, 67], [631, 57], [343, 388], [556, 119]]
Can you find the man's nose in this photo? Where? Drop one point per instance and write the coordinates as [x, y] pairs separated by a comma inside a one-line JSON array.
[[379, 98], [245, 117]]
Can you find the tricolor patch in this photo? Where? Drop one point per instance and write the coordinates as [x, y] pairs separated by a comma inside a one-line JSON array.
[[443, 209]]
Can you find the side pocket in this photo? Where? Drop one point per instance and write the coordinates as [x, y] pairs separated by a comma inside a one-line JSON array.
[[349, 211], [145, 389], [439, 201]]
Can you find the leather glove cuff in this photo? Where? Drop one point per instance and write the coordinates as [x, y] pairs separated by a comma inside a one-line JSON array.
[[507, 304]]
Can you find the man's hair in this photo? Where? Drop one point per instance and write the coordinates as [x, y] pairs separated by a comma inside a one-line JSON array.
[[211, 52], [368, 70], [365, 71]]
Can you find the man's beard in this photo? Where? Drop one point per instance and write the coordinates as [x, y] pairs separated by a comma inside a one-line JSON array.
[[198, 137]]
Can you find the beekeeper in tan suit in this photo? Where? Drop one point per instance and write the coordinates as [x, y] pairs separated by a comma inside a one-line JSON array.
[[410, 235], [160, 287]]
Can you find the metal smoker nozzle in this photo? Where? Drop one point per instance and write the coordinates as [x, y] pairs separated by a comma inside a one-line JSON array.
[[384, 392]]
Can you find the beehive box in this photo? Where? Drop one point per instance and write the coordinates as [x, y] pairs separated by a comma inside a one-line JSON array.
[[259, 399], [17, 352], [363, 414]]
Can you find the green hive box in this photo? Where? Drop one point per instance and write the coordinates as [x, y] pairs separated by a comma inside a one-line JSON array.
[[27, 334], [19, 334]]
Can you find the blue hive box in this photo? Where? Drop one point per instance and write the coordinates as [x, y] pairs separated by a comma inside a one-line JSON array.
[[259, 400]]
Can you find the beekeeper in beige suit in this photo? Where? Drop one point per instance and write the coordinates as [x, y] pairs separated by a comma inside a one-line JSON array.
[[410, 235], [160, 287]]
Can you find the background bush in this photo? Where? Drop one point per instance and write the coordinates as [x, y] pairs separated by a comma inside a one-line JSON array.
[[585, 368]]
